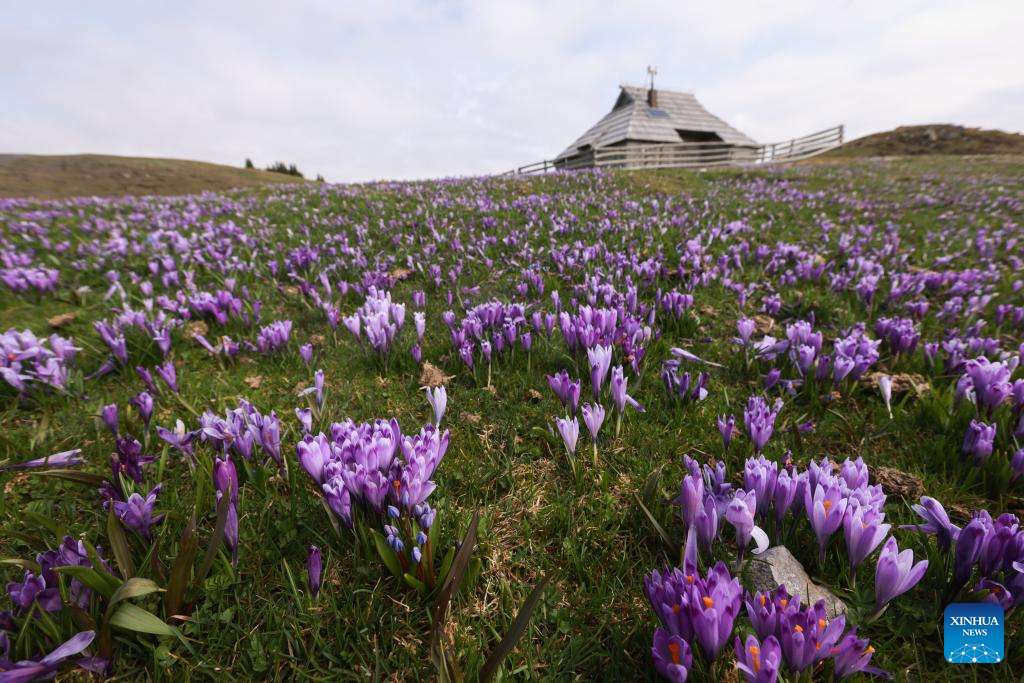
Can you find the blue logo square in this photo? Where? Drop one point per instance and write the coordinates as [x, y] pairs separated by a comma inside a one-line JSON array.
[[973, 633]]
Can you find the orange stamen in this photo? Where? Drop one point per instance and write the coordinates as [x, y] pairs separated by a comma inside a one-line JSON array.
[[673, 650], [708, 603]]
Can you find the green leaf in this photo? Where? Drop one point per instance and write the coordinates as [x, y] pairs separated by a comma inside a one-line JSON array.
[[515, 632], [440, 651], [47, 523], [657, 527], [216, 539], [131, 617], [132, 588], [27, 565], [413, 582], [458, 570], [90, 577], [97, 563], [181, 572], [89, 479], [388, 556], [119, 545]]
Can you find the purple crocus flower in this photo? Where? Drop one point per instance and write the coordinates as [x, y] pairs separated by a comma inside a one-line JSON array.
[[225, 477], [45, 668], [306, 353], [979, 439], [936, 522], [147, 379], [706, 522], [63, 459], [314, 567], [672, 656], [313, 454], [23, 594], [109, 416], [826, 507], [168, 374], [745, 327], [691, 498], [740, 513], [305, 416], [760, 476], [896, 573], [759, 421], [438, 400], [725, 429], [853, 655], [593, 417], [231, 528], [137, 512], [600, 359], [885, 386], [569, 429], [714, 606], [1017, 464], [991, 382], [863, 531], [969, 544], [143, 402], [788, 489], [759, 662], [179, 438]]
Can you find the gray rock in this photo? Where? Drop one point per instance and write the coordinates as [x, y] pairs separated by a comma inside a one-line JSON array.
[[778, 566]]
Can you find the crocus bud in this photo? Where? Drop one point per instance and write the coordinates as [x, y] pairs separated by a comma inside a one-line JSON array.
[[314, 567], [109, 415]]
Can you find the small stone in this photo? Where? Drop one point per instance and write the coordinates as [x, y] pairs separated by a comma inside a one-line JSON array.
[[254, 381], [777, 566], [534, 396], [491, 389], [898, 482], [62, 320], [432, 376], [902, 383], [764, 323], [196, 327]]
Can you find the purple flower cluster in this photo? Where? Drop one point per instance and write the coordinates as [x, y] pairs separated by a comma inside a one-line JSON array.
[[21, 280], [680, 386], [900, 333], [274, 337], [44, 588], [28, 362], [992, 549], [379, 320], [371, 466], [240, 431]]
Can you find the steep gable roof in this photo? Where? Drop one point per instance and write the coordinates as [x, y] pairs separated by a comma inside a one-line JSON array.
[[632, 119]]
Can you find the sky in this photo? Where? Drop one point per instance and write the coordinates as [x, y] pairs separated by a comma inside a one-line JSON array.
[[416, 89]]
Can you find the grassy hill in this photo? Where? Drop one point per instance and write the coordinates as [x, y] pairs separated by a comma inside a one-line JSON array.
[[59, 176], [931, 139]]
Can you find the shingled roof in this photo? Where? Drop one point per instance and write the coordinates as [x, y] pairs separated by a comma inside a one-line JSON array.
[[632, 119]]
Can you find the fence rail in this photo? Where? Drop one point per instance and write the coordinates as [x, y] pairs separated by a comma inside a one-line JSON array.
[[694, 154]]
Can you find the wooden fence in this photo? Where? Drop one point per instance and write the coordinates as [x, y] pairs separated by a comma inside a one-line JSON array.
[[698, 155]]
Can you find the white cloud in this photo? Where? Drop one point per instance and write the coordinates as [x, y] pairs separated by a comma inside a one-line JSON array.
[[419, 89]]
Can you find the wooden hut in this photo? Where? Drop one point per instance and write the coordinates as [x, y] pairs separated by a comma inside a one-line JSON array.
[[643, 119]]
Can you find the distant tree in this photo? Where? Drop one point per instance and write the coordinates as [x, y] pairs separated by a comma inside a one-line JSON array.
[[248, 163], [287, 169], [319, 178]]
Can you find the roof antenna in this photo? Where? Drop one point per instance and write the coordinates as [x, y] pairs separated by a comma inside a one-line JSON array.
[[652, 94]]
